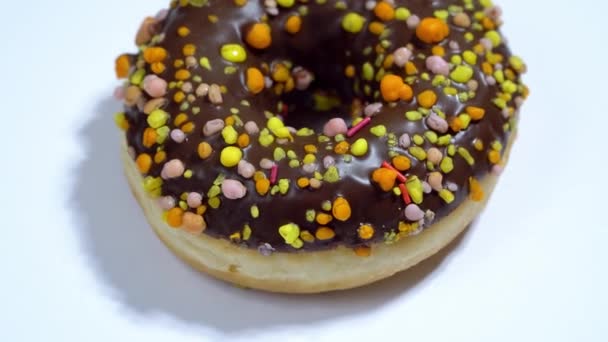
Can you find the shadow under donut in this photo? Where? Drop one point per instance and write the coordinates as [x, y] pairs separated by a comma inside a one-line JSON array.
[[146, 278]]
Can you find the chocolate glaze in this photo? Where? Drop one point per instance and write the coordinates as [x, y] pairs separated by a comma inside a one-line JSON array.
[[325, 48]]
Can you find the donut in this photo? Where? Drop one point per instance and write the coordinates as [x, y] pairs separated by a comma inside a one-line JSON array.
[[305, 146]]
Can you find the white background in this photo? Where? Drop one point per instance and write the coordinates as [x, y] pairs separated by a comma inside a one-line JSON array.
[[79, 263]]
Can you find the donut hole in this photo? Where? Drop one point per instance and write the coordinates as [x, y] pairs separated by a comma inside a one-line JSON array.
[[330, 95]]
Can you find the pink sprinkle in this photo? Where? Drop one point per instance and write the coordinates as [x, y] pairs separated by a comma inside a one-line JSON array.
[[194, 200], [166, 202], [178, 136], [358, 127], [334, 127], [119, 93], [155, 86], [173, 169], [233, 189], [438, 65], [404, 194], [274, 174]]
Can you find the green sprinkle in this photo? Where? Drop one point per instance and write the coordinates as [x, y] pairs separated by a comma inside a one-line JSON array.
[[234, 53], [255, 211], [332, 175]]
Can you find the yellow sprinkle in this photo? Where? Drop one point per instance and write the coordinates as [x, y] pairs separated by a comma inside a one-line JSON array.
[[231, 156], [359, 147], [230, 135]]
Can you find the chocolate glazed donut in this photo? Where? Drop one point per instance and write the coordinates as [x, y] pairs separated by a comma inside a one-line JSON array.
[[302, 129]]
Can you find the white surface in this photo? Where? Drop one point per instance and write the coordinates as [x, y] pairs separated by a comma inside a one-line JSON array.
[[79, 263]]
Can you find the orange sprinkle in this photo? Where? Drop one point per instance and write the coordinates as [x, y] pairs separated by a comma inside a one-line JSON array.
[[341, 209], [384, 11], [158, 67], [456, 124], [393, 88], [475, 113], [144, 162], [293, 24], [488, 23], [438, 50], [183, 31], [201, 210], [243, 140], [175, 217], [342, 147], [178, 63], [349, 71], [204, 150], [494, 157], [189, 50], [365, 232], [476, 191], [188, 127], [259, 36], [388, 61], [487, 68], [401, 163], [255, 80], [122, 67], [376, 28], [325, 233], [432, 30], [310, 148], [427, 99], [229, 120], [303, 182], [179, 97], [180, 119], [385, 178], [363, 251], [323, 218], [182, 75], [410, 69], [262, 186], [160, 157], [154, 55], [149, 137]]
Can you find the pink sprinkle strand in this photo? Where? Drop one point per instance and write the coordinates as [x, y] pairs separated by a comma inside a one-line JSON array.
[[405, 194], [400, 176], [274, 174], [358, 127]]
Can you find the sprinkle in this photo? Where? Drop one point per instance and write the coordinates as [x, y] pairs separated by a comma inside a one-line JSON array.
[[233, 189], [193, 223], [262, 186], [385, 178], [462, 74], [334, 127], [446, 165], [230, 135], [274, 173], [414, 188], [353, 22], [399, 176], [365, 232], [173, 169], [157, 118], [341, 209], [231, 156], [414, 213], [259, 36], [401, 56], [324, 234], [427, 99], [175, 217], [355, 129], [475, 190], [213, 126], [359, 147], [234, 53], [432, 30], [332, 175], [405, 194], [255, 80], [293, 24], [363, 251], [446, 195], [393, 88]]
